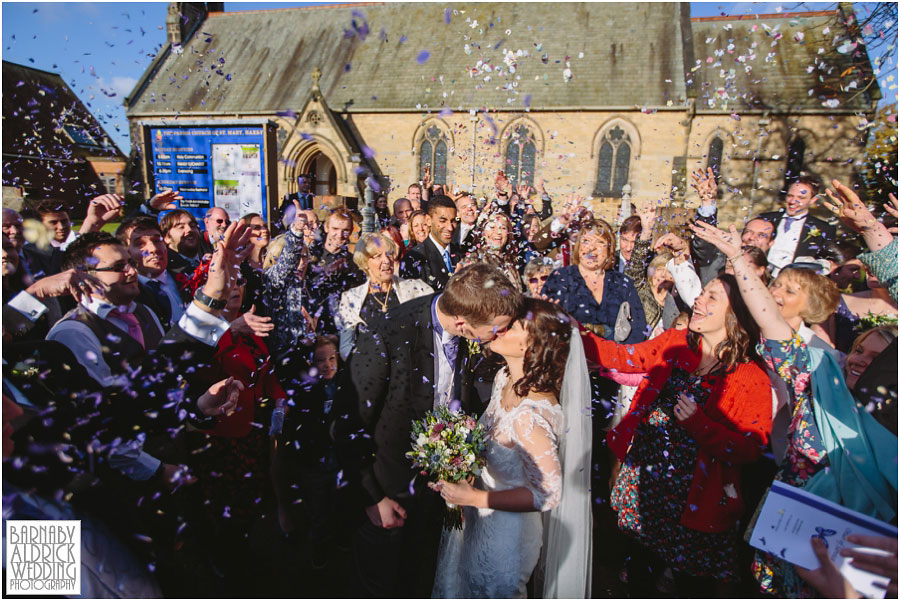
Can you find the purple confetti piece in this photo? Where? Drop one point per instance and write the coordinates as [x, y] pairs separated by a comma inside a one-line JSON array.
[[446, 16], [445, 112], [423, 57], [527, 101], [368, 152]]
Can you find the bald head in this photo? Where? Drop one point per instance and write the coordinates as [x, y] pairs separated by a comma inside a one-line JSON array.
[[402, 209]]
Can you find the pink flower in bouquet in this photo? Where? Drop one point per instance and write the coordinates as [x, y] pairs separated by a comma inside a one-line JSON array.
[[470, 424]]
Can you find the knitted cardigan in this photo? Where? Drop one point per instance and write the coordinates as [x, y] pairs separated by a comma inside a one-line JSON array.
[[730, 429]]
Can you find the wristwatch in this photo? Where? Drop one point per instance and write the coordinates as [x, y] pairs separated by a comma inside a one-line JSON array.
[[208, 301]]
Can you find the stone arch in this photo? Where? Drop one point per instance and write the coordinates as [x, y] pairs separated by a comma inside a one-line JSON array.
[[301, 152], [536, 132]]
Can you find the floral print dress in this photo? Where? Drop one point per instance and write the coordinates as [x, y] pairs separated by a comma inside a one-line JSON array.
[[651, 490], [805, 454]]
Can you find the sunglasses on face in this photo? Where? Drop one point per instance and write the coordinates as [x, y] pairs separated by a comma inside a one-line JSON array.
[[536, 279], [221, 221], [117, 268]]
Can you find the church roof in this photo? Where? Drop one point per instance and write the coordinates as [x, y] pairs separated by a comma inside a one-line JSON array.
[[48, 136], [798, 61], [406, 56], [551, 56]]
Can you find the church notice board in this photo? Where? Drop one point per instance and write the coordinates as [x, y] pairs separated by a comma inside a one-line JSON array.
[[232, 166]]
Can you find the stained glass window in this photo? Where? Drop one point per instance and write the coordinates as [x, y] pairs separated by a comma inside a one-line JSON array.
[[613, 163]]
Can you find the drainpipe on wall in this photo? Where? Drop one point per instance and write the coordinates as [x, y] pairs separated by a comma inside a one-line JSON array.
[[474, 119], [762, 123]]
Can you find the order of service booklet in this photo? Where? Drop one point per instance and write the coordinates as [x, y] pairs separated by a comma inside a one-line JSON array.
[[790, 518]]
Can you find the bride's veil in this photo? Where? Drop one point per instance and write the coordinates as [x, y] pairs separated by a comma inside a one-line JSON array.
[[564, 571]]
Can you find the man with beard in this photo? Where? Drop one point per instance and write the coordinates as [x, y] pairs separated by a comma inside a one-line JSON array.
[[182, 236]]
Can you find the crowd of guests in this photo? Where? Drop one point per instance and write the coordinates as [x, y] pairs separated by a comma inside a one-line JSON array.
[[173, 384]]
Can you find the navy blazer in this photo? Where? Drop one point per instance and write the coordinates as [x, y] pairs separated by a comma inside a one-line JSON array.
[[567, 285]]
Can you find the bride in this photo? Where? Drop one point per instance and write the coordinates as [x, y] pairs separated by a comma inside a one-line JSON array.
[[533, 495]]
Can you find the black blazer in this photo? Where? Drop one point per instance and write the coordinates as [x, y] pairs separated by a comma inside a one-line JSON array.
[[425, 262], [178, 264], [42, 262], [816, 233], [464, 245], [392, 369]]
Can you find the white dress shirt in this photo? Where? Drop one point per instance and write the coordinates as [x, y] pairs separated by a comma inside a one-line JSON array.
[[785, 244]]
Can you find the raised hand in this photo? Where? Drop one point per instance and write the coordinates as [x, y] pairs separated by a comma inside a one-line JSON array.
[[100, 210], [426, 177], [705, 185], [230, 251], [76, 282], [524, 191], [729, 243], [250, 323], [673, 243], [301, 223], [647, 213], [845, 203], [501, 183], [221, 398], [164, 201], [539, 184]]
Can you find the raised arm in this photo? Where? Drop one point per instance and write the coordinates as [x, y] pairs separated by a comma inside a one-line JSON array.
[[630, 358], [755, 294]]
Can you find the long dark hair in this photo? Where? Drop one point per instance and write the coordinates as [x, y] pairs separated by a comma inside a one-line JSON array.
[[741, 330], [549, 330]]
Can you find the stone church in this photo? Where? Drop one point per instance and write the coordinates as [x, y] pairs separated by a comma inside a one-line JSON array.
[[597, 99]]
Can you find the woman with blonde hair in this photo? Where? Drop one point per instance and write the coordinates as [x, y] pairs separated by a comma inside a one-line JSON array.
[[376, 256]]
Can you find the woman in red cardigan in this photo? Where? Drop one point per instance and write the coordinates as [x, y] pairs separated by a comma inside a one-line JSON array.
[[703, 409]]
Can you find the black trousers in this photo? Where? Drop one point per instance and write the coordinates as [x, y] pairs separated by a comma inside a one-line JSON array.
[[400, 562]]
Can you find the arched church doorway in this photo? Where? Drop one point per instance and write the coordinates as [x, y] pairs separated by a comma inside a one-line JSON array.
[[322, 174]]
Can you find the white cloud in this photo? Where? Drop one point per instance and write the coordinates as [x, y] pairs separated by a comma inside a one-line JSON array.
[[123, 85]]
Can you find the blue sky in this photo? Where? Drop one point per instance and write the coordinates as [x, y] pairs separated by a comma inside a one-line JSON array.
[[101, 49]]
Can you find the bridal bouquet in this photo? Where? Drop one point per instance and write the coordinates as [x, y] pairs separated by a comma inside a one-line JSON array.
[[448, 445]]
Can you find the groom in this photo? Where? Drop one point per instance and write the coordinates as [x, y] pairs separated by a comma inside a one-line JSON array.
[[414, 360]]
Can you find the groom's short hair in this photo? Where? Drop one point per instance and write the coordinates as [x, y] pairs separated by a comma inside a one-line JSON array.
[[479, 293]]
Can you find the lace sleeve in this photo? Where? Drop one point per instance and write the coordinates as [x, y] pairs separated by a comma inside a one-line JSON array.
[[538, 447]]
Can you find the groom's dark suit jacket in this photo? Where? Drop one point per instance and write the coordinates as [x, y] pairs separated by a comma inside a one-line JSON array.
[[393, 373], [425, 262]]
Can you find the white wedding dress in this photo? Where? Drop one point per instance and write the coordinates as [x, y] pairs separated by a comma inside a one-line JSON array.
[[496, 552]]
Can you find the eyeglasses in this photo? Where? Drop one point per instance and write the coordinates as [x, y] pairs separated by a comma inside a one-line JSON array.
[[117, 268], [540, 278], [220, 221]]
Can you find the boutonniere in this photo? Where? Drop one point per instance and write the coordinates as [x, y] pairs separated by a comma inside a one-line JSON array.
[[814, 232]]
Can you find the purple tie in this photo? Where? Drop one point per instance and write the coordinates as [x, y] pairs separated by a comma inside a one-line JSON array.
[[134, 328]]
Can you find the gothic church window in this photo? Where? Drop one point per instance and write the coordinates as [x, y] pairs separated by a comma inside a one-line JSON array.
[[433, 152], [613, 163], [520, 157]]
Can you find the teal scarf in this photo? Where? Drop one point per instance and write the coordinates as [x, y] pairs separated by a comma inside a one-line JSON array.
[[862, 454]]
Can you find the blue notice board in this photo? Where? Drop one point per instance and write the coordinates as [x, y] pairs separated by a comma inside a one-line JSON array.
[[222, 166]]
